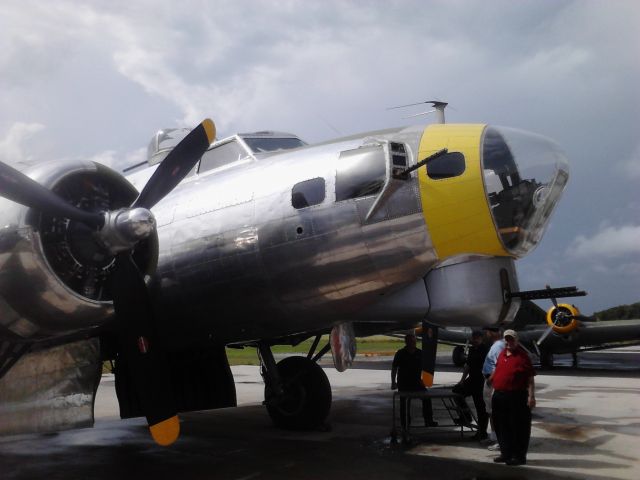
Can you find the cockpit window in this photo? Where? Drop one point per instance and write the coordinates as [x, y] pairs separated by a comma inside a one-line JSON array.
[[524, 176], [221, 155], [272, 144], [360, 172]]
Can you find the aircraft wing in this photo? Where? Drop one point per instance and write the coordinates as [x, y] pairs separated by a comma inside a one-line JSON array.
[[588, 336], [449, 336]]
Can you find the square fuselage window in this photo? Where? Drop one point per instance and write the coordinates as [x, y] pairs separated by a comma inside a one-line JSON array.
[[308, 193], [449, 165]]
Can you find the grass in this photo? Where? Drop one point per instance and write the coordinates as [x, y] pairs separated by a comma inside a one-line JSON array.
[[378, 345]]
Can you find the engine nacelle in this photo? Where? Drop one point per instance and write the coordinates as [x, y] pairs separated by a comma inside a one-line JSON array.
[[562, 319], [472, 292], [54, 274]]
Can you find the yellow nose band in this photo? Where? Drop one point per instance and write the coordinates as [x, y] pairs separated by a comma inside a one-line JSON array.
[[455, 209]]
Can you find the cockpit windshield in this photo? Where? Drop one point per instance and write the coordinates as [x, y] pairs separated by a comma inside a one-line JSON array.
[[524, 176]]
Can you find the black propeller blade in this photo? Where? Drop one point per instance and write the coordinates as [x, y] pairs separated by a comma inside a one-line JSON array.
[[553, 299], [147, 362], [21, 189], [177, 164]]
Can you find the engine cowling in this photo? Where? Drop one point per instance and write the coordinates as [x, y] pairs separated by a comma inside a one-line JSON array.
[[54, 273], [562, 319]]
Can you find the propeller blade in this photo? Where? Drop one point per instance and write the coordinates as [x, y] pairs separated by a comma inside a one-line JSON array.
[[17, 187], [147, 362], [177, 164], [429, 350], [544, 335], [553, 300]]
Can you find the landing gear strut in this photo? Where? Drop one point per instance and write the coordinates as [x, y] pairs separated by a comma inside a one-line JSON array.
[[297, 391], [546, 359]]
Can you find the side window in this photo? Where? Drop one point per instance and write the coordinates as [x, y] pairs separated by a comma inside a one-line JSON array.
[[446, 166], [360, 172], [308, 193], [221, 155], [398, 154]]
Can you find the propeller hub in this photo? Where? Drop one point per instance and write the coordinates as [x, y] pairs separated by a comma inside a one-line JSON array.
[[136, 224], [124, 228]]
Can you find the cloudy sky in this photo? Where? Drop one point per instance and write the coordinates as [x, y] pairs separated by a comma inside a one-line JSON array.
[[95, 79]]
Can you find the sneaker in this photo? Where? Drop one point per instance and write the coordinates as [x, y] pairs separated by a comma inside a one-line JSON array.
[[514, 462], [494, 448], [500, 459]]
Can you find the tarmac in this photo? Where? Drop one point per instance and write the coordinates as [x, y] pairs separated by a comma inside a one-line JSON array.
[[586, 425]]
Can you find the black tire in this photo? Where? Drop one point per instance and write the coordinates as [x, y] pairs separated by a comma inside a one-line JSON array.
[[306, 401], [458, 356]]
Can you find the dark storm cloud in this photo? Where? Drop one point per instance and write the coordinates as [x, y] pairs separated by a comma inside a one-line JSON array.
[[97, 79]]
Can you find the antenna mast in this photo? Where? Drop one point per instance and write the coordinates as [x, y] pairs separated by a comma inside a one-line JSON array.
[[437, 105]]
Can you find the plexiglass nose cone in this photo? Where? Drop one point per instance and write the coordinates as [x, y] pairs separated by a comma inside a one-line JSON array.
[[525, 175]]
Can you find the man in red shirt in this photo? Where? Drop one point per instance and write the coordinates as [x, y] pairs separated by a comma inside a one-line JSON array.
[[513, 399]]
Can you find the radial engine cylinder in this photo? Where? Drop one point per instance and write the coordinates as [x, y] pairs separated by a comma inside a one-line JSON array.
[[54, 273]]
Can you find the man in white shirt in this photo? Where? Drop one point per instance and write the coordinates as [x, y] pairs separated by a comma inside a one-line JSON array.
[[494, 334]]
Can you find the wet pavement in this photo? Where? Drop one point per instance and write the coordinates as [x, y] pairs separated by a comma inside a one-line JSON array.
[[587, 425]]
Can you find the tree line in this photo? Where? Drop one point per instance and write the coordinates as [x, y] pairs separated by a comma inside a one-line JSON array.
[[621, 312]]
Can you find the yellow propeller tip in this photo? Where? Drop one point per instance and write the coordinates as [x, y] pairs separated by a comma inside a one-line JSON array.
[[166, 432], [210, 129]]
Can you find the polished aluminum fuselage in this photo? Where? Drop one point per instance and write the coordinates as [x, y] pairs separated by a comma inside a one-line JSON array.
[[233, 261], [238, 262]]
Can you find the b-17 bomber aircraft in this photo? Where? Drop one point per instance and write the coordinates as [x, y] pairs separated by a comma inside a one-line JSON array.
[[252, 241], [545, 335]]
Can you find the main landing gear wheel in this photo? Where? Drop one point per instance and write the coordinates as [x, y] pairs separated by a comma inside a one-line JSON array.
[[458, 356], [306, 395]]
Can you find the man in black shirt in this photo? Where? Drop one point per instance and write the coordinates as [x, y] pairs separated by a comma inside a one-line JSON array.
[[407, 367], [472, 382]]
